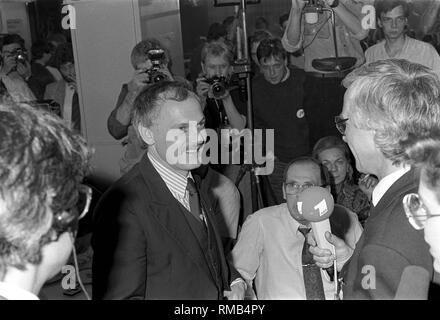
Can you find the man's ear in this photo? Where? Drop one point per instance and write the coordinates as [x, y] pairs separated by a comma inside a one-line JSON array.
[[203, 67], [146, 134]]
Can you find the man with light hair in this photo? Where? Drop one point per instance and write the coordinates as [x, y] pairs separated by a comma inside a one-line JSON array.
[[392, 18], [386, 102], [42, 164]]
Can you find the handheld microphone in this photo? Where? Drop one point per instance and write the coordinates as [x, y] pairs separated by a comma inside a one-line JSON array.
[[311, 12], [316, 205]]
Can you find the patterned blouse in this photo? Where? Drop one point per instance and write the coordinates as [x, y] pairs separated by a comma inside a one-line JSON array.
[[353, 198]]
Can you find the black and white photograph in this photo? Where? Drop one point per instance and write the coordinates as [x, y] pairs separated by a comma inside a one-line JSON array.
[[243, 151]]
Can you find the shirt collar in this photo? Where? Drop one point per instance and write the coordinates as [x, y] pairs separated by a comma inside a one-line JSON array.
[[12, 292], [296, 225], [175, 182], [386, 183]]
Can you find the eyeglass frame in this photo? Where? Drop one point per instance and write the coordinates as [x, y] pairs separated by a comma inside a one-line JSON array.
[[341, 124], [414, 219], [301, 187]]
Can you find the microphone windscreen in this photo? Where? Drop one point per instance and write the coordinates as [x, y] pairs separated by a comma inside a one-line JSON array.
[[311, 17], [315, 204]]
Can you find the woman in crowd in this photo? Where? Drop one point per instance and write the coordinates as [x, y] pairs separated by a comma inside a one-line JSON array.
[[335, 155]]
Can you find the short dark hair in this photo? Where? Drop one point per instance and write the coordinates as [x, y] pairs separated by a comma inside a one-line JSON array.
[[325, 175], [147, 104], [39, 48], [42, 163], [216, 31], [12, 38], [384, 6], [271, 48]]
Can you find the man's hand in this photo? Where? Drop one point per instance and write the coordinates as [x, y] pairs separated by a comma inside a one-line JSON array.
[[298, 5], [237, 291], [329, 3], [139, 80], [324, 257], [24, 69], [367, 184], [9, 64], [202, 88]]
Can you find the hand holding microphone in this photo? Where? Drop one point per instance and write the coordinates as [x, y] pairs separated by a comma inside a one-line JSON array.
[[316, 204]]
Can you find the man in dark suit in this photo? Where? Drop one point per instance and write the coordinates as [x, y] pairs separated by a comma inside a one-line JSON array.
[[155, 235], [386, 101]]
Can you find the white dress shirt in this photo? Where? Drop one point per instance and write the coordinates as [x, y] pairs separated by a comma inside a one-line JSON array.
[[386, 183], [269, 251], [12, 292]]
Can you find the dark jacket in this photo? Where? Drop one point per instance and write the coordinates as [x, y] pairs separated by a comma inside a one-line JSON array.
[[389, 248], [146, 247]]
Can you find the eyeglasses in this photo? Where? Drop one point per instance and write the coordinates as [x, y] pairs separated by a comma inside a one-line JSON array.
[[416, 211], [295, 188], [341, 124], [69, 218]]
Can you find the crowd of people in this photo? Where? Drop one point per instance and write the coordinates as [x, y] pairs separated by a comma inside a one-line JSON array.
[[368, 134]]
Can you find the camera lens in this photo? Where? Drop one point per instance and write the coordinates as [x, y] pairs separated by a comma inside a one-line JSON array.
[[218, 89], [158, 77]]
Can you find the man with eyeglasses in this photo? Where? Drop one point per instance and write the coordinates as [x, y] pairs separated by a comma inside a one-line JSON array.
[[423, 208], [386, 102], [392, 18], [42, 164], [271, 244]]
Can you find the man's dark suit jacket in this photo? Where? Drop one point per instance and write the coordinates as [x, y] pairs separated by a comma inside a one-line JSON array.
[[389, 248], [144, 246]]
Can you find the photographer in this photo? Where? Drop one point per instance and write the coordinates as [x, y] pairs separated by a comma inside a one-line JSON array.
[[15, 70], [324, 93], [219, 102], [119, 121]]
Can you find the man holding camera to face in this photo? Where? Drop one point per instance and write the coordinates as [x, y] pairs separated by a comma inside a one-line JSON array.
[[221, 105], [312, 31], [15, 70], [150, 62]]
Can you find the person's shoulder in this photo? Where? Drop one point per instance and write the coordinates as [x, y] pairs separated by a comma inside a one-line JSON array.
[[418, 45], [375, 47], [269, 213]]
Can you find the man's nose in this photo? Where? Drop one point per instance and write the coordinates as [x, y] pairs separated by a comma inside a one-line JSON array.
[[394, 23]]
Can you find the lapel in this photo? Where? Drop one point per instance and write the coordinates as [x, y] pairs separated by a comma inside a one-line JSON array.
[[213, 234], [168, 213]]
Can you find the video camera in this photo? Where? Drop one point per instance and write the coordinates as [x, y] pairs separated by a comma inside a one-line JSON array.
[[156, 57]]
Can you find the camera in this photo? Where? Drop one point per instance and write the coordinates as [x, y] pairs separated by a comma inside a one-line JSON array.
[[218, 86], [21, 56], [156, 57]]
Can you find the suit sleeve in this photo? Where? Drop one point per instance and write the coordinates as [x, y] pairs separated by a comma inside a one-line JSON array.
[[120, 262], [387, 278]]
